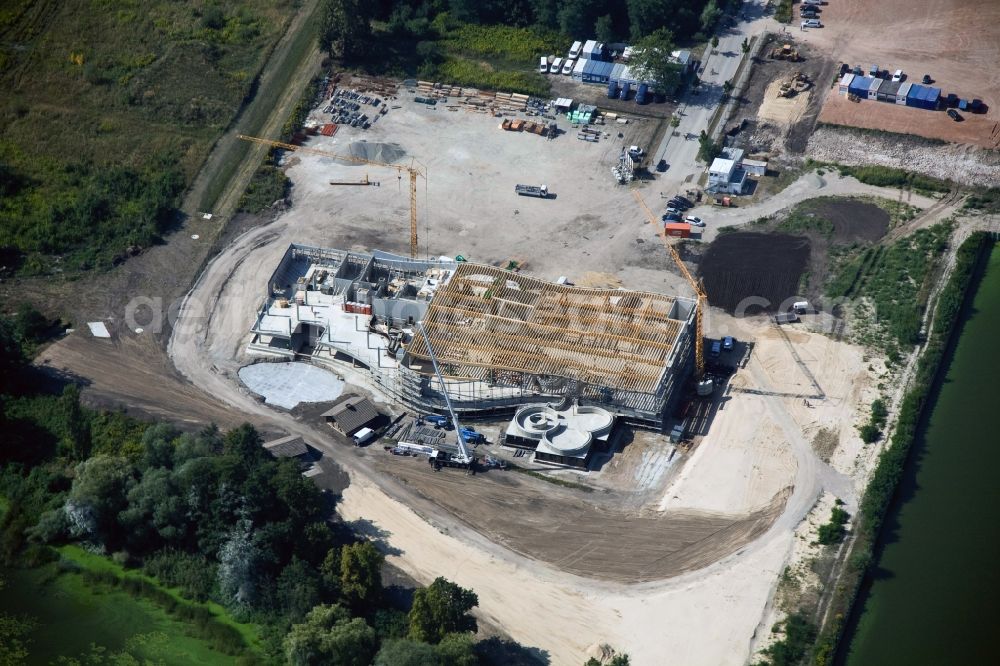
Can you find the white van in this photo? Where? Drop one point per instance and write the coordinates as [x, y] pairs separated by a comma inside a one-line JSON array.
[[897, 75], [543, 65], [574, 50], [556, 65], [362, 436], [568, 67]]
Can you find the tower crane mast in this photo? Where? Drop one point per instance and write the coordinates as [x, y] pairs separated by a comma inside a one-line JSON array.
[[702, 298]]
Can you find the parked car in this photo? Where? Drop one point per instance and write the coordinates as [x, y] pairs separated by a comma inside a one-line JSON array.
[[543, 65], [955, 115], [696, 221], [661, 166], [927, 80], [716, 349], [897, 75], [812, 23], [687, 202], [677, 203], [728, 343], [672, 217], [437, 420], [568, 67], [556, 66], [673, 209], [809, 12]]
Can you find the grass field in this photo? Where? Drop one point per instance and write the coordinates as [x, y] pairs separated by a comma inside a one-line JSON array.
[[73, 614], [895, 282], [109, 111]]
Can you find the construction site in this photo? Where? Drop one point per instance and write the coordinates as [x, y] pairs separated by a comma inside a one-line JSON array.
[[491, 277], [515, 309], [500, 338]]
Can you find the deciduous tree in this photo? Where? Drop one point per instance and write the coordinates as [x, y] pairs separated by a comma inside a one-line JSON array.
[[361, 574], [329, 637], [344, 28], [652, 60], [441, 608]]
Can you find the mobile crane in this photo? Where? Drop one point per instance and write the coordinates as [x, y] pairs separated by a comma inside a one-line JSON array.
[[464, 457], [413, 172], [704, 386]]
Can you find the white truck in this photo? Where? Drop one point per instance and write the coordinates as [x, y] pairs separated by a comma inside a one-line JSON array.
[[362, 436], [540, 191]]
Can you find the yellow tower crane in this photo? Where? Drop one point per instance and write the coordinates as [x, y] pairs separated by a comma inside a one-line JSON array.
[[411, 170], [699, 351]]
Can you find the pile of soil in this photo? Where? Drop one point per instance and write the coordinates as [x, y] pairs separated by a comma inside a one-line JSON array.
[[854, 220], [750, 273]]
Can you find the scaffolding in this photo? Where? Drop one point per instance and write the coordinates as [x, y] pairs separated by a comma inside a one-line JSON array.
[[508, 329]]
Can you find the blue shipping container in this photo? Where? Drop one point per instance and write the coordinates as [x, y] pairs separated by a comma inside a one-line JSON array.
[[934, 99], [612, 89], [641, 94], [859, 86], [626, 88], [913, 98]]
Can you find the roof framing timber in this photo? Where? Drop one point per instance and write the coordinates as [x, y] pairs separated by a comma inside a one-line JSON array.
[[486, 317]]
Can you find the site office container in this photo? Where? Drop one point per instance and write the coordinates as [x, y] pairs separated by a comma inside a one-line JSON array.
[[912, 97], [903, 91], [873, 88], [887, 91], [932, 98], [845, 83], [859, 86]]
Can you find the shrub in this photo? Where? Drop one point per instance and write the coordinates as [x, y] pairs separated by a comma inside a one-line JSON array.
[[833, 531], [869, 433], [783, 13], [883, 176]]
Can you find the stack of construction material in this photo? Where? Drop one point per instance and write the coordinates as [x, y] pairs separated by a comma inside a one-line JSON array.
[[473, 99], [518, 125]]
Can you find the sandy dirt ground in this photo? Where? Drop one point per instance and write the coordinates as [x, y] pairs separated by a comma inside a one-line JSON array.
[[560, 542], [978, 129], [957, 42], [784, 110]]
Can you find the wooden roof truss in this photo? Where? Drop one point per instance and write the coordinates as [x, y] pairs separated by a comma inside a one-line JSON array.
[[485, 317]]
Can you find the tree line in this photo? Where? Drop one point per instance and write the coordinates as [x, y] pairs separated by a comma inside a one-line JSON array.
[[346, 28], [214, 515]]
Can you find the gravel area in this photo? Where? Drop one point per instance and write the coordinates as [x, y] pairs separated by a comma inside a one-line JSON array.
[[965, 164]]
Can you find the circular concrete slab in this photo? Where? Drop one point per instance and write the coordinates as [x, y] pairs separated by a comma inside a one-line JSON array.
[[288, 384]]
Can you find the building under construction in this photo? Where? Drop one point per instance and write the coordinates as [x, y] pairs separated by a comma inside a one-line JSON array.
[[502, 339]]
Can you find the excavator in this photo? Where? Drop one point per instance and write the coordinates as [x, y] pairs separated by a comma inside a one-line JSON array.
[[703, 385], [413, 172]]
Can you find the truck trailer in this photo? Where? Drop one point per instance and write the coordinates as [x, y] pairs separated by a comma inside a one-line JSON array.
[[540, 191]]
